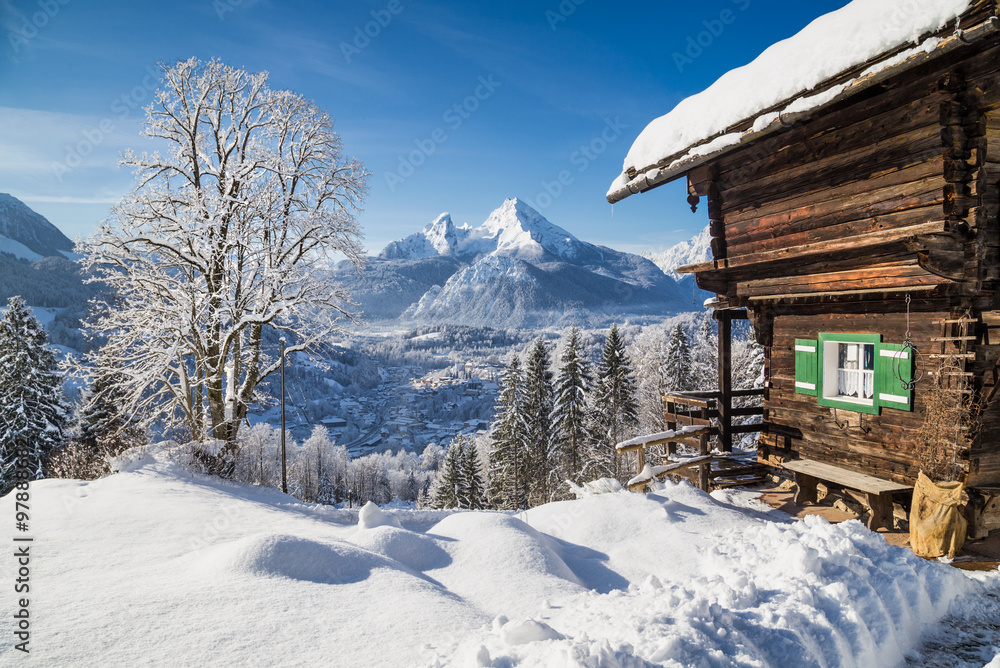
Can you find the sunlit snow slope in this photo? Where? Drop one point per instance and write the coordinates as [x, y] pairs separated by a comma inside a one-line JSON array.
[[155, 566]]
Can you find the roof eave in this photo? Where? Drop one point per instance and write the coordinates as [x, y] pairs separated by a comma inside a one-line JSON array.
[[680, 164]]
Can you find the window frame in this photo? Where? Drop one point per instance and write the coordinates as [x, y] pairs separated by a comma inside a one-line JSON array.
[[827, 354]]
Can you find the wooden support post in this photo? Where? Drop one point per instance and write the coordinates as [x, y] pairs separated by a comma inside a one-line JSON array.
[[671, 424], [725, 403], [880, 506], [703, 469], [640, 460], [805, 489]]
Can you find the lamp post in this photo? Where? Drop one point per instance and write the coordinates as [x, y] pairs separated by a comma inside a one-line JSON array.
[[284, 472]]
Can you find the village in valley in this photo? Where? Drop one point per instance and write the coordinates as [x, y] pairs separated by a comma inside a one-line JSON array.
[[345, 335]]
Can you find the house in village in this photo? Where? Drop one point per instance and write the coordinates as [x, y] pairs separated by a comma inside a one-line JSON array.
[[851, 175]]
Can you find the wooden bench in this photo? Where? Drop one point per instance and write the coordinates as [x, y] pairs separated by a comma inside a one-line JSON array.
[[878, 493]]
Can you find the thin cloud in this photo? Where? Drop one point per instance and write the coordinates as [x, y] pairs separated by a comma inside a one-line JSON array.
[[59, 199]]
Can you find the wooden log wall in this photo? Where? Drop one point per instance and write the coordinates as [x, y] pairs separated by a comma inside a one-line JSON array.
[[829, 225], [894, 189], [881, 445], [984, 464], [834, 198]]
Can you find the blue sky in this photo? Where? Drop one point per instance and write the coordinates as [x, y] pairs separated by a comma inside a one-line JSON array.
[[483, 101]]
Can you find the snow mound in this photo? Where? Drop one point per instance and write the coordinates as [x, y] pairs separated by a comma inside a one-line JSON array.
[[371, 516], [283, 556], [501, 564], [414, 550], [754, 593], [520, 633]]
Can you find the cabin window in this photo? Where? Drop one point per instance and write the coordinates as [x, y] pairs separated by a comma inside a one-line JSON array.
[[856, 372]]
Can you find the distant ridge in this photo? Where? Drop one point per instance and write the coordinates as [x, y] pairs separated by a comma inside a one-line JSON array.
[[22, 228], [698, 249]]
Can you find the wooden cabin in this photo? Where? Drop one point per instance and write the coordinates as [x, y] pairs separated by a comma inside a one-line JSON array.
[[856, 225]]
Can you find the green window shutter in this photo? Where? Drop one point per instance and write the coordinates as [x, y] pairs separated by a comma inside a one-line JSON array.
[[806, 365], [893, 367]]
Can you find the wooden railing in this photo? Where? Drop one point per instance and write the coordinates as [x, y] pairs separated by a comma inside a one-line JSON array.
[[713, 409], [693, 418]]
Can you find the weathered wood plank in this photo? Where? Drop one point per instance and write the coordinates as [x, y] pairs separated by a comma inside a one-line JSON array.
[[852, 241]]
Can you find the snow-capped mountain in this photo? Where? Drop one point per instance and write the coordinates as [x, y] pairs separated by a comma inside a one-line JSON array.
[[516, 269], [438, 238], [698, 249], [27, 234], [513, 230]]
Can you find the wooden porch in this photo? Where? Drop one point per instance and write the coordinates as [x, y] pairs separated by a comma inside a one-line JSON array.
[[693, 420]]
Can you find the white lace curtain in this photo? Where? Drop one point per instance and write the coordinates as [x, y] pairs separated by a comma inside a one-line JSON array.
[[849, 381]]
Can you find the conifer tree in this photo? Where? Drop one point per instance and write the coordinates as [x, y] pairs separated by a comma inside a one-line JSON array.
[[570, 410], [33, 418], [678, 364], [473, 487], [651, 378], [614, 409], [538, 403], [451, 479], [103, 426], [507, 481], [705, 352], [326, 494]]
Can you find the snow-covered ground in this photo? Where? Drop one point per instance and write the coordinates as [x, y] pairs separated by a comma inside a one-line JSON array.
[[156, 566]]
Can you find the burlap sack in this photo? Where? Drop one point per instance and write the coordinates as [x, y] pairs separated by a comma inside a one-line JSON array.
[[937, 528]]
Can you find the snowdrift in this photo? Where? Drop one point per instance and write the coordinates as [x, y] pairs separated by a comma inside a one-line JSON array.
[[154, 566]]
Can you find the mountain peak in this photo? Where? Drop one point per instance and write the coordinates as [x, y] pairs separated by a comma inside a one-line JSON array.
[[19, 223], [518, 229], [437, 238], [440, 233]]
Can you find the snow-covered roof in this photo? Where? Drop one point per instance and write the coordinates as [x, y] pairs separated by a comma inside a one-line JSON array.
[[810, 70]]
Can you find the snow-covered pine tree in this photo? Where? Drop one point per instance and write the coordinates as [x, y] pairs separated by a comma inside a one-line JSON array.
[[651, 378], [570, 410], [104, 428], [538, 403], [678, 363], [312, 466], [411, 491], [705, 352], [33, 419], [327, 489], [424, 499], [506, 483], [450, 489], [613, 409], [473, 488]]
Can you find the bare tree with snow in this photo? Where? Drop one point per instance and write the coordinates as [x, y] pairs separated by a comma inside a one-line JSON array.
[[220, 245]]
